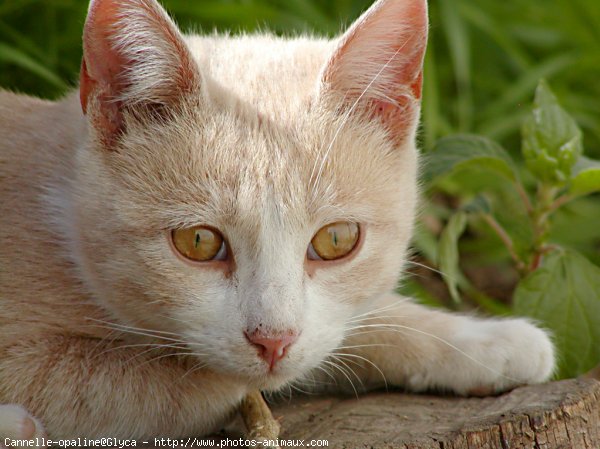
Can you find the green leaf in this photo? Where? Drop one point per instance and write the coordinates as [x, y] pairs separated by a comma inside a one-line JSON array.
[[552, 141], [448, 252], [586, 177], [426, 243], [479, 204], [564, 296], [468, 151]]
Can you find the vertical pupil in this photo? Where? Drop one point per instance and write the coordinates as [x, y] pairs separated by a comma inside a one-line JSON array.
[[335, 238], [197, 240]]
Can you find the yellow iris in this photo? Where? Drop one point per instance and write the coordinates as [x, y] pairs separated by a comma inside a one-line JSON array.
[[335, 240], [199, 243]]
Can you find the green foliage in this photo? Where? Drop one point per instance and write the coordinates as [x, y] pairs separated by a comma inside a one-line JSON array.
[[552, 141], [448, 252], [564, 295], [558, 286], [468, 151], [586, 177]]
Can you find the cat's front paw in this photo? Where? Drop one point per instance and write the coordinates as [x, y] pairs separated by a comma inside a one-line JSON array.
[[510, 353], [533, 361], [17, 424]]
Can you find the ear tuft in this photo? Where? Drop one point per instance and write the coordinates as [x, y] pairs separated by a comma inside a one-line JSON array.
[[133, 54], [379, 61]]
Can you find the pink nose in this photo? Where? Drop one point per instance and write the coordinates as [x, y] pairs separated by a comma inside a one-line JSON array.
[[272, 348]]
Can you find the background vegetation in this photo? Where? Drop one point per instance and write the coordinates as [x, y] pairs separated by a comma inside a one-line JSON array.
[[484, 62]]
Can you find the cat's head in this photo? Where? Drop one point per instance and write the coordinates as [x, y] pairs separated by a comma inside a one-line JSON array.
[[203, 216]]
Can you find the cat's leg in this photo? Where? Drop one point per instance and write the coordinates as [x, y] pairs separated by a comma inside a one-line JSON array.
[[87, 388], [424, 349]]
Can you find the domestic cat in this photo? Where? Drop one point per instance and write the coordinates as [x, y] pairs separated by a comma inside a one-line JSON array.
[[213, 214]]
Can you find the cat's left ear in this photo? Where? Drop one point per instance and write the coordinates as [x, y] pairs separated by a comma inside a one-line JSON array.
[[377, 68]]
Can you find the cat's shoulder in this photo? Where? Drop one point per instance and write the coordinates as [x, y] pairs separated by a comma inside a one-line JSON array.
[[14, 104], [29, 123], [14, 107]]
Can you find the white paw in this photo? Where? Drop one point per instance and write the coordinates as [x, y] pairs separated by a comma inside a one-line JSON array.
[[485, 357], [17, 424], [505, 354]]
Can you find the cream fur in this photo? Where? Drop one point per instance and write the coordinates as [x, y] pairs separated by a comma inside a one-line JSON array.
[[273, 139]]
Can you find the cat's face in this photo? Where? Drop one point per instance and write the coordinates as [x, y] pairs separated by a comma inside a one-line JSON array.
[[173, 154]]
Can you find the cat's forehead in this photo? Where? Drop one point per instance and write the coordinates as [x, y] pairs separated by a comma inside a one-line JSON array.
[[315, 159], [234, 168]]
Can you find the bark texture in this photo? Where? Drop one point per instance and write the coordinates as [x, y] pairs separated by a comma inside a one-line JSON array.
[[557, 415]]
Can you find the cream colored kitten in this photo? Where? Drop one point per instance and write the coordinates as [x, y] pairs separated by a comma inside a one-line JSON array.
[[210, 215]]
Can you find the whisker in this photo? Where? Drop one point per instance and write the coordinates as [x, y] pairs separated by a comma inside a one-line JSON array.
[[197, 367], [150, 350], [174, 354], [297, 388], [429, 268], [313, 380], [335, 365], [124, 326], [377, 317], [153, 346], [111, 337], [370, 345], [343, 362], [382, 308], [134, 332], [369, 362], [397, 327], [331, 376], [175, 319]]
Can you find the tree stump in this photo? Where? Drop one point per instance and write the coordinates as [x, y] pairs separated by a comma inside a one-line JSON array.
[[556, 415]]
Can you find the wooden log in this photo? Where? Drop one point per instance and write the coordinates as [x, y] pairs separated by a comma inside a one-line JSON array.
[[556, 415]]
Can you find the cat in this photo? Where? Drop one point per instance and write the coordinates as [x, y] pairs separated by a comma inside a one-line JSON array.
[[208, 215]]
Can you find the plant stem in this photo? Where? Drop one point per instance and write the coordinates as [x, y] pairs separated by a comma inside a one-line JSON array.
[[524, 196], [559, 202], [506, 239], [546, 204]]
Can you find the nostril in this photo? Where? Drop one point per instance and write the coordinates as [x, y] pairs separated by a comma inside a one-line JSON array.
[[272, 347]]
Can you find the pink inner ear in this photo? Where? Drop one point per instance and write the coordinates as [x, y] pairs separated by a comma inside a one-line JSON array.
[[101, 67], [416, 13], [133, 57], [101, 64], [110, 120], [417, 85], [380, 59], [86, 85]]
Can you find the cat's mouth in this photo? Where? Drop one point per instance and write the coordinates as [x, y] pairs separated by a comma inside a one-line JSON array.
[[272, 377], [263, 371]]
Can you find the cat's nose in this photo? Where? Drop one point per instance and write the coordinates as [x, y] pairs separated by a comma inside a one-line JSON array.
[[272, 348]]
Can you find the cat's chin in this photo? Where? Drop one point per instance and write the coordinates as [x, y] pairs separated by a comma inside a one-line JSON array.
[[269, 380], [268, 383]]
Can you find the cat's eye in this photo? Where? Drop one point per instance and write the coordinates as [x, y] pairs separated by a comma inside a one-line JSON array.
[[334, 241], [199, 243]]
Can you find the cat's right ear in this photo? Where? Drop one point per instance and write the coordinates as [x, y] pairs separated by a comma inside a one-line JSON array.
[[133, 56]]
